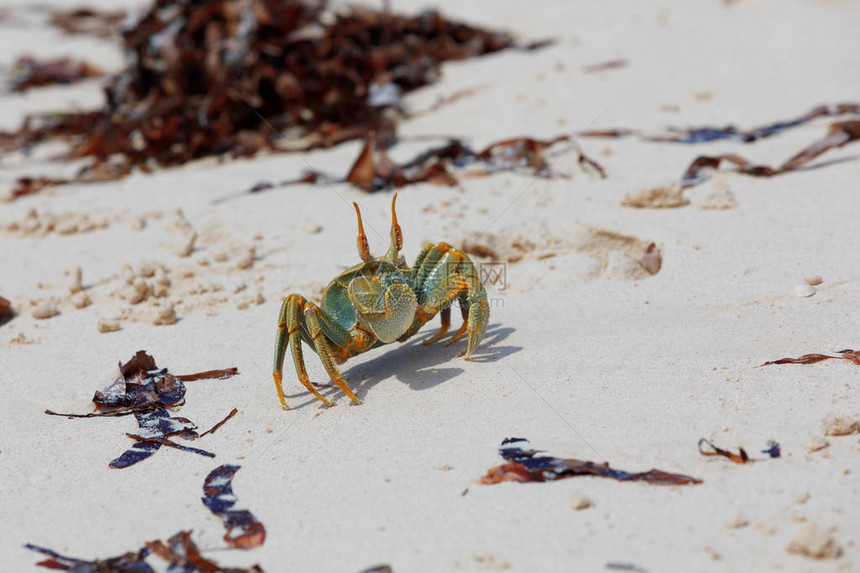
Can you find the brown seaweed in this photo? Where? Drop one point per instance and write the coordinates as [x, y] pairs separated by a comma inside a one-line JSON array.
[[6, 311], [219, 498], [525, 465], [374, 170], [739, 458], [86, 21], [179, 551], [848, 354], [127, 563], [146, 392], [29, 72], [706, 134], [184, 556], [215, 78], [839, 134]]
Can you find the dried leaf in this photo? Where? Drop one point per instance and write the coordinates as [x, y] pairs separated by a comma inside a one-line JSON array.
[[219, 498], [525, 465]]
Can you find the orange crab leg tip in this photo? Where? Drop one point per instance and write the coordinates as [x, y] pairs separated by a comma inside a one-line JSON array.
[[278, 381]]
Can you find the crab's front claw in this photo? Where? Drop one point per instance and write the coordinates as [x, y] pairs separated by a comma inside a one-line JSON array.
[[479, 317]]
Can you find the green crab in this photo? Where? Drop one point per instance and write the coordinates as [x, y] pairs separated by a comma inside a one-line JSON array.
[[379, 301]]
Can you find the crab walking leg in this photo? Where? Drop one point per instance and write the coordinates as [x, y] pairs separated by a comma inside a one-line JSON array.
[[442, 274], [312, 321], [445, 315], [289, 334], [479, 316]]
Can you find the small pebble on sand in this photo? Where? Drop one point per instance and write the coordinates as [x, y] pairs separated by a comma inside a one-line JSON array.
[[77, 281], [165, 316], [581, 502], [108, 325], [804, 291], [81, 300], [186, 248], [45, 308], [813, 280]]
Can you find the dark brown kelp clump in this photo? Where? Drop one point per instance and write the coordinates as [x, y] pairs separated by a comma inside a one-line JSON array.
[[210, 77]]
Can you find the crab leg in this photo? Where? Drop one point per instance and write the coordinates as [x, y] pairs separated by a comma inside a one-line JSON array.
[[312, 322], [445, 315], [290, 324], [442, 274]]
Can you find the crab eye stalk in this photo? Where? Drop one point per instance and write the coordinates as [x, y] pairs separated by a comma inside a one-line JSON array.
[[396, 233], [361, 241]]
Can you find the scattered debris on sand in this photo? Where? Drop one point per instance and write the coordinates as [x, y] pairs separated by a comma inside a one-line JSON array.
[[739, 458], [848, 354], [219, 498], [525, 465], [814, 543], [706, 134], [663, 197], [146, 392], [838, 135], [374, 170], [43, 223]]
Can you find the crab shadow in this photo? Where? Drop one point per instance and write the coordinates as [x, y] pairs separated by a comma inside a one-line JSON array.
[[415, 364]]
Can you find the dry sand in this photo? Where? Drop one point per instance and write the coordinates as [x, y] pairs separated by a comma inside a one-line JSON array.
[[585, 355]]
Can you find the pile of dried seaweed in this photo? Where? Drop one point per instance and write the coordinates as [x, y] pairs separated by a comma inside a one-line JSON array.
[[207, 77]]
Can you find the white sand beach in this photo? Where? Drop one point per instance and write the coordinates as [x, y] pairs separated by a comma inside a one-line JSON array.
[[586, 355]]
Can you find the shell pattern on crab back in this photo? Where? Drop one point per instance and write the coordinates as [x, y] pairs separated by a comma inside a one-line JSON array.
[[336, 302]]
